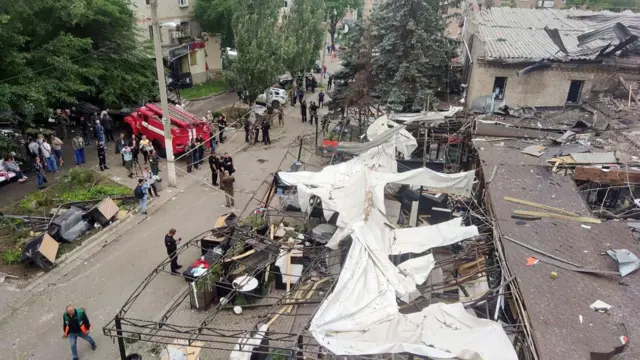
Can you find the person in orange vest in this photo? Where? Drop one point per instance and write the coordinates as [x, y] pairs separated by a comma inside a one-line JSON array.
[[76, 325]]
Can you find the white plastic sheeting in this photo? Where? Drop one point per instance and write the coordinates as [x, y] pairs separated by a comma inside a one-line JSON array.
[[418, 269], [403, 141], [403, 241], [361, 315]]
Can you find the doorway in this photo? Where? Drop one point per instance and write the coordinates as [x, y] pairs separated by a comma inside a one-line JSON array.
[[573, 97]]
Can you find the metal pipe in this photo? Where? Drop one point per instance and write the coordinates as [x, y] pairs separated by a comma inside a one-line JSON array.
[[123, 353]]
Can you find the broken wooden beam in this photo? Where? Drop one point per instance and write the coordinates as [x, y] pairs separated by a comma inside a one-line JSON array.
[[610, 176], [558, 216], [483, 128], [540, 206]]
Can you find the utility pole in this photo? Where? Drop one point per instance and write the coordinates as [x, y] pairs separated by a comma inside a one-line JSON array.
[[324, 53], [166, 122]]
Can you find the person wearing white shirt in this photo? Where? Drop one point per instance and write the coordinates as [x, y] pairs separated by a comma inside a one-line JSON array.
[[49, 158]]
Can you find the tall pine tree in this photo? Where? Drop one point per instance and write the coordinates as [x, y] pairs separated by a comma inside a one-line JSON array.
[[412, 53], [353, 82]]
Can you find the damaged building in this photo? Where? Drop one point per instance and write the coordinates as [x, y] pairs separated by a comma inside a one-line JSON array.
[[547, 57]]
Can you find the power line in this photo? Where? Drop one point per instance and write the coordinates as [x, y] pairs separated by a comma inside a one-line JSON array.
[[54, 66]]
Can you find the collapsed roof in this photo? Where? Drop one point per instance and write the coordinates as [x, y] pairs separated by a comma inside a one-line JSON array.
[[518, 35], [361, 316]]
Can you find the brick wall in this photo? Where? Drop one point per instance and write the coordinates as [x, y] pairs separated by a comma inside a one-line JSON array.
[[548, 87]]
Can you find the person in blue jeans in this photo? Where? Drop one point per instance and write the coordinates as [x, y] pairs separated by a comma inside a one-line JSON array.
[[37, 167], [78, 149], [75, 324], [145, 197], [49, 157]]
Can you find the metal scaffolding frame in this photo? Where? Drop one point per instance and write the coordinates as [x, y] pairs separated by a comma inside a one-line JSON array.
[[316, 283]]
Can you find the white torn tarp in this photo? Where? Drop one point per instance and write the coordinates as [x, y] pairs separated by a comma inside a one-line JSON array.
[[418, 269], [420, 239], [401, 140], [361, 315]]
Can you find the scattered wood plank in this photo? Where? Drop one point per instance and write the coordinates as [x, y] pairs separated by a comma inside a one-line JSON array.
[[610, 176], [558, 216], [540, 206]]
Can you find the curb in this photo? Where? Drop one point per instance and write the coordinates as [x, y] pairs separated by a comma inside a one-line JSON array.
[[68, 259], [208, 97]]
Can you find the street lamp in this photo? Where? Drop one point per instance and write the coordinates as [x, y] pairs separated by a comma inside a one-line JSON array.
[[166, 121]]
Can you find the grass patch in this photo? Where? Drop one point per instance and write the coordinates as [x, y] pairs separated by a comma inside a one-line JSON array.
[[207, 88], [78, 185], [11, 256]]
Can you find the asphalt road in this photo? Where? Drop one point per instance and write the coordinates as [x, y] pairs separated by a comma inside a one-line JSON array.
[[102, 280]]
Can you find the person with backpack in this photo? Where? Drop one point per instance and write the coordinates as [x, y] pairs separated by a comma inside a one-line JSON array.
[[75, 324], [34, 148], [140, 192]]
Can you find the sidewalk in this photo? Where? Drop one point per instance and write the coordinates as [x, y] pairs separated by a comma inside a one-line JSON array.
[[101, 277]]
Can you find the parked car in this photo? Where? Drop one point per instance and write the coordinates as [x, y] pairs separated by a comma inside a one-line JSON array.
[[275, 97], [317, 68], [286, 81]]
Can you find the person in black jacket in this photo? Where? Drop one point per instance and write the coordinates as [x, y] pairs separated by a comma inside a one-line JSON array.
[[265, 132], [227, 163], [172, 247], [303, 110], [75, 324], [214, 165], [102, 156], [222, 124], [313, 111], [247, 129]]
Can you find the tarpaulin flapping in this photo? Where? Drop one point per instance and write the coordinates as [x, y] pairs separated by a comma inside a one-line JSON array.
[[361, 315]]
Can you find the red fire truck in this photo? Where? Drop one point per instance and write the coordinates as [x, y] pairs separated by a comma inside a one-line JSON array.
[[147, 120]]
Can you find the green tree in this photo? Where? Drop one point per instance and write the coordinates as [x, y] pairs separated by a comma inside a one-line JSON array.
[[354, 82], [335, 10], [259, 45], [413, 55], [57, 50], [303, 35], [215, 16]]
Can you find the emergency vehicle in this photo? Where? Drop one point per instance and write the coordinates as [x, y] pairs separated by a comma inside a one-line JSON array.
[[147, 120]]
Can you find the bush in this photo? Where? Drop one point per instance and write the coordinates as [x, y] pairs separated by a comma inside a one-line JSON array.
[[11, 256]]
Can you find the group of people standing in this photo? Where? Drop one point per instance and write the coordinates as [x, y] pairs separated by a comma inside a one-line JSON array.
[[45, 156], [222, 170]]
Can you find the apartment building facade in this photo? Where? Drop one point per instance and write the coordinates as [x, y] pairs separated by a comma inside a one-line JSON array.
[[191, 55]]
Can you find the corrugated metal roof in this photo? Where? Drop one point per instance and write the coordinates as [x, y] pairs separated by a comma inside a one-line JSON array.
[[518, 34]]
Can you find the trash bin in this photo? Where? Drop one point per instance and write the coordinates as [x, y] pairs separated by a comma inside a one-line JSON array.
[[134, 357]]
